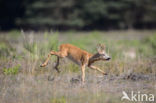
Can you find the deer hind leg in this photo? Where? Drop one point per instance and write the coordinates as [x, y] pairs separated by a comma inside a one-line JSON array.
[[98, 69], [58, 54], [46, 62], [57, 64]]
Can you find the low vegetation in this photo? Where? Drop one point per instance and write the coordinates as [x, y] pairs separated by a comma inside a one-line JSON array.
[[22, 80], [11, 71]]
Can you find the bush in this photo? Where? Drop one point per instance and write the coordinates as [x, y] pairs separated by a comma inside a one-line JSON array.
[[11, 71], [50, 43], [31, 47], [53, 42]]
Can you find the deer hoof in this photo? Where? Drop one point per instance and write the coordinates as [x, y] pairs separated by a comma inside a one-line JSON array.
[[105, 74], [42, 65]]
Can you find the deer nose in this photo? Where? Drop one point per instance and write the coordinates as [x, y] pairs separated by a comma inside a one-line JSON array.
[[108, 58]]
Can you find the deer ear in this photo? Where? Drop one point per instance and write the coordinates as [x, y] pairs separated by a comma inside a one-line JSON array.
[[103, 47], [99, 48], [99, 45]]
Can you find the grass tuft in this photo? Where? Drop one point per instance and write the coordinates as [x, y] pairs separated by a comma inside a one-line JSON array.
[[11, 71]]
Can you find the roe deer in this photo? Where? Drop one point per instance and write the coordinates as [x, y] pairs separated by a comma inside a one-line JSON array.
[[79, 56]]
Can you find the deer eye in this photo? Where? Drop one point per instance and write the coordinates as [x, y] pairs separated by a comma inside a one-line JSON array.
[[102, 54]]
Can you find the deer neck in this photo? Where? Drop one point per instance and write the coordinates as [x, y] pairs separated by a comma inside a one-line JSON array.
[[93, 59]]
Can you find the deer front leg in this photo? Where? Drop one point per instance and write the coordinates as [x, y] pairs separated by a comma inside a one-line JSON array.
[[98, 69], [83, 73]]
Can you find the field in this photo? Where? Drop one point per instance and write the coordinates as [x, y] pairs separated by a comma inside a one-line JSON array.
[[132, 67]]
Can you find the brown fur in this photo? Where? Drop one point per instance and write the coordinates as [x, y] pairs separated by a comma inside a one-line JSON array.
[[77, 55]]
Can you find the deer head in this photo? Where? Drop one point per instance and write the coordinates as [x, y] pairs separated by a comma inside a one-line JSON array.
[[101, 52], [100, 55]]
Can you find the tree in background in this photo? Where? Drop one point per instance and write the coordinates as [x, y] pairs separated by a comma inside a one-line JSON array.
[[10, 10], [52, 13], [79, 14]]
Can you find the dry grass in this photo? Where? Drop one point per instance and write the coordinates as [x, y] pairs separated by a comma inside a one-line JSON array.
[[132, 67]]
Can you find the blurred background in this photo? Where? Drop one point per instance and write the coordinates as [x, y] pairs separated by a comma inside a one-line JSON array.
[[77, 14], [30, 29]]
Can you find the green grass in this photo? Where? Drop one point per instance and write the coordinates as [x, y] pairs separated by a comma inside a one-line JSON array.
[[36, 47], [58, 100], [23, 81], [12, 70]]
